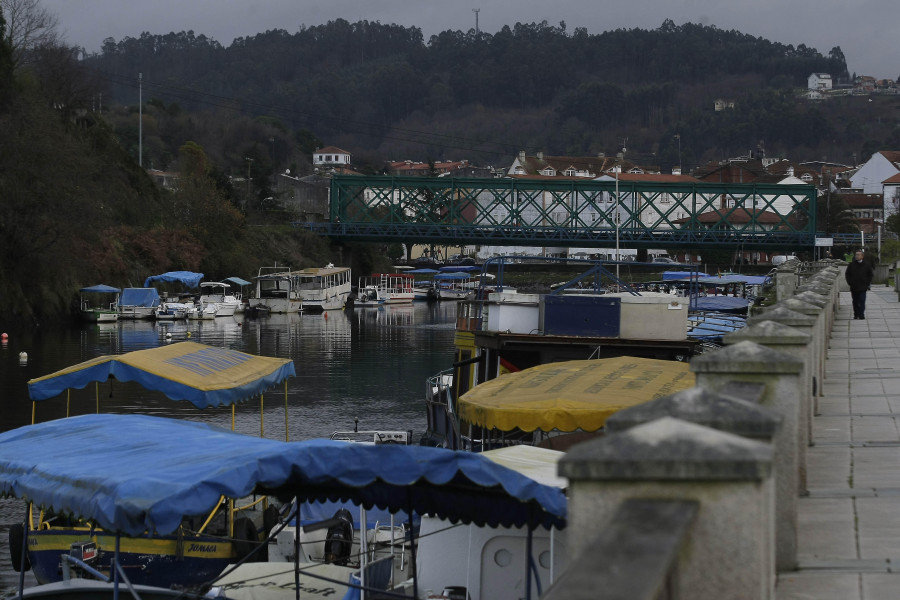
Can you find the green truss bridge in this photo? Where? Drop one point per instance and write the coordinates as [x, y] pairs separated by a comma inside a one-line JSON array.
[[593, 213]]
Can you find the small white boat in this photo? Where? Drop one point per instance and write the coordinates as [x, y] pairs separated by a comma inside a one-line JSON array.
[[368, 296], [204, 311], [174, 311], [219, 294], [395, 288], [99, 313]]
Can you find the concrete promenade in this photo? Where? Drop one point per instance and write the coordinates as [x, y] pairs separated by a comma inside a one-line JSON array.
[[849, 524]]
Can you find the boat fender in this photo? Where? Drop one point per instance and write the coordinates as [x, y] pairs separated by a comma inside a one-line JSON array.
[[245, 539], [16, 544], [339, 539]]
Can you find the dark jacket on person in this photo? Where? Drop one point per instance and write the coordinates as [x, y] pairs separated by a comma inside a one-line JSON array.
[[859, 275]]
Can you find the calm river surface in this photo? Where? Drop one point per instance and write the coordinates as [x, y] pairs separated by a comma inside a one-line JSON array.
[[367, 363]]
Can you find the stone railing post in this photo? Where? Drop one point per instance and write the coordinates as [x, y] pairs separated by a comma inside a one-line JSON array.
[[669, 459], [819, 341], [796, 343], [780, 373], [805, 324], [786, 280]]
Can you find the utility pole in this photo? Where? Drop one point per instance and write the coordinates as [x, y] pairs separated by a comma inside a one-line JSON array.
[[476, 11], [678, 137], [140, 119]]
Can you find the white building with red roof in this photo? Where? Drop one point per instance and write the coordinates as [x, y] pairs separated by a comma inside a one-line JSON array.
[[330, 156]]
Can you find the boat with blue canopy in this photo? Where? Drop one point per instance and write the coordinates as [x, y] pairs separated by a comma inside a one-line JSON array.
[[157, 474], [99, 313], [138, 303], [206, 377]]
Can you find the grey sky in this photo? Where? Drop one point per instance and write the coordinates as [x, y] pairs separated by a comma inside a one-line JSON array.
[[864, 29]]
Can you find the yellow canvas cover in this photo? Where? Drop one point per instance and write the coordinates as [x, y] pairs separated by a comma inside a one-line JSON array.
[[203, 375], [571, 395]]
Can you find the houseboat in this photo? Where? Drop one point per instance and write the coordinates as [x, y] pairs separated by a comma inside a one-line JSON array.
[[316, 289]]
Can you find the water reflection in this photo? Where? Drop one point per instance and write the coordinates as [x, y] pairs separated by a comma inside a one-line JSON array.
[[370, 364]]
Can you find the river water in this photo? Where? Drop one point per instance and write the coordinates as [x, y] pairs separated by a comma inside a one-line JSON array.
[[368, 363]]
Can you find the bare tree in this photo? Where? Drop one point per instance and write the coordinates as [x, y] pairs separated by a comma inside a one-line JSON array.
[[28, 26]]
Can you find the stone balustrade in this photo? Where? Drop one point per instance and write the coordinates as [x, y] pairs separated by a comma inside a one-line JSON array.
[[694, 495]]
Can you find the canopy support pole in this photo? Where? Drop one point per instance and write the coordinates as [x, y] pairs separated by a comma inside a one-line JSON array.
[[116, 568], [21, 557], [528, 563], [261, 396], [297, 548], [97, 395], [68, 401], [33, 407], [286, 437], [232, 416], [412, 543]]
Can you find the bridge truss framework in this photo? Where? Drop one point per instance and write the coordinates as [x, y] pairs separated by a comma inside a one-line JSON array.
[[592, 213]]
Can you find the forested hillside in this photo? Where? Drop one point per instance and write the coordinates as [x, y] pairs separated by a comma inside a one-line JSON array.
[[383, 92]]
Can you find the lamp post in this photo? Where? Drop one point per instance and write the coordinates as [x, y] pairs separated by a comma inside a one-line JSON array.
[[678, 137], [249, 163]]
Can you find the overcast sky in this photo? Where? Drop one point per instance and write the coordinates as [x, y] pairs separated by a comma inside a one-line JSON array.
[[866, 30]]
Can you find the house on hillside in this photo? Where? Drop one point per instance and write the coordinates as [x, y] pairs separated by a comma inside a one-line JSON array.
[[459, 168], [748, 170], [723, 104], [572, 167], [871, 175], [868, 209], [304, 197], [819, 82], [891, 196], [165, 179], [331, 156]]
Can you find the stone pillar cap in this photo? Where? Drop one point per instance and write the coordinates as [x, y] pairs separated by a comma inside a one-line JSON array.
[[668, 449], [800, 306], [768, 332], [812, 298], [700, 406], [782, 314], [746, 357]]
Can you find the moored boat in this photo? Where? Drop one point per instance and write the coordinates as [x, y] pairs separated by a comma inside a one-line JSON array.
[[323, 288], [218, 294], [199, 549], [187, 467], [99, 312], [138, 303], [395, 288], [368, 296]]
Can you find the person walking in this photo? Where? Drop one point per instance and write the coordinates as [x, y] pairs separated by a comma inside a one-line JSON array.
[[859, 276]]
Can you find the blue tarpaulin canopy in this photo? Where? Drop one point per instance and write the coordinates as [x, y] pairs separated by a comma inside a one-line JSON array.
[[188, 278], [421, 271], [451, 276], [460, 268], [100, 289], [139, 297], [203, 375], [238, 281], [150, 472]]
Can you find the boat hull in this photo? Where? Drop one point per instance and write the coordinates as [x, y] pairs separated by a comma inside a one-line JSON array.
[[99, 315], [160, 561]]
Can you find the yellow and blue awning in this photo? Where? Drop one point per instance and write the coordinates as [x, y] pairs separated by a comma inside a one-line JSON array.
[[203, 375]]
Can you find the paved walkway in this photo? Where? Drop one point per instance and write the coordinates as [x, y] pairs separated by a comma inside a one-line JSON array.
[[849, 525]]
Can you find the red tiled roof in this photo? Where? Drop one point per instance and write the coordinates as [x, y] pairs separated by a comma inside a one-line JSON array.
[[331, 150], [739, 215], [862, 200], [892, 179], [655, 177]]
